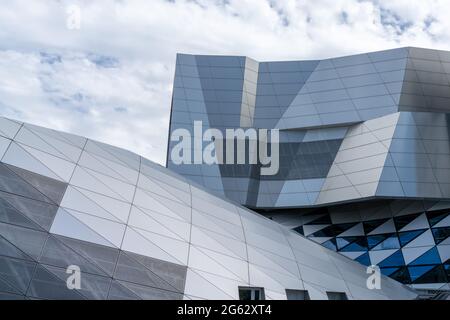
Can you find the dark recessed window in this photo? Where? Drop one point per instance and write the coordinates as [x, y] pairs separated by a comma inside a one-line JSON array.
[[337, 296], [440, 234], [297, 294], [250, 293], [372, 225], [402, 221], [299, 229], [428, 274], [436, 216]]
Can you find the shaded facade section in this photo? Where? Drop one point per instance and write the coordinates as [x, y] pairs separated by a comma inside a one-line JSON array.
[[33, 262], [137, 230]]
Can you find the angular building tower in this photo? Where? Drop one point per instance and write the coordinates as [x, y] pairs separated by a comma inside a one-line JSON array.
[[80, 219], [364, 150]]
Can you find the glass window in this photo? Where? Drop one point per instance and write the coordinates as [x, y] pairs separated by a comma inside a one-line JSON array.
[[391, 242], [250, 293], [359, 244], [447, 270], [369, 226], [436, 216], [297, 294], [407, 236], [372, 241], [440, 234], [389, 271], [394, 260], [336, 295], [427, 274], [401, 275], [364, 259], [429, 257]]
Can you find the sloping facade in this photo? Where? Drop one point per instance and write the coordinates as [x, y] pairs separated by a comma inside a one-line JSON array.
[[136, 230]]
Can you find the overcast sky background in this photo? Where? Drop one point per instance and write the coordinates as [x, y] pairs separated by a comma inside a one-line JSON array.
[[111, 79]]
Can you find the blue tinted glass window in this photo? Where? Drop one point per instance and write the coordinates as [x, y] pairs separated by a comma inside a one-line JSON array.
[[435, 275], [393, 260], [330, 244], [372, 241], [390, 243], [364, 259], [388, 271], [429, 257], [406, 237], [417, 272], [359, 245], [342, 242], [333, 230]]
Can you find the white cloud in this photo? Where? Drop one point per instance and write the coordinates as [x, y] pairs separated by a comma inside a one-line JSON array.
[[111, 80]]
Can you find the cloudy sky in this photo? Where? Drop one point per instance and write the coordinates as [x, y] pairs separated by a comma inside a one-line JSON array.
[[111, 79]]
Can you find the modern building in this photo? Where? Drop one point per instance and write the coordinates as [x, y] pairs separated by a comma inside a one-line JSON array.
[[80, 219], [364, 166]]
